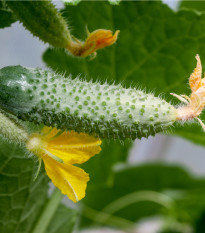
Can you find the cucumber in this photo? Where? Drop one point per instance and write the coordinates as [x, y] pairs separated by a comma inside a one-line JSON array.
[[107, 111]]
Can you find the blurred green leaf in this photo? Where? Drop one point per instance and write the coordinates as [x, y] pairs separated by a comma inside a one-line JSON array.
[[190, 4], [100, 167], [176, 184], [75, 2], [200, 225], [6, 15], [21, 199], [156, 49], [71, 2]]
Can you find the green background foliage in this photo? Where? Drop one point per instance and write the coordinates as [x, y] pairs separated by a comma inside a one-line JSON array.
[[185, 191], [155, 51], [6, 16], [194, 5]]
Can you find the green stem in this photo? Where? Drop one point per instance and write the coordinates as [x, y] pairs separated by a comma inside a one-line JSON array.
[[48, 212], [11, 130], [111, 220], [132, 198]]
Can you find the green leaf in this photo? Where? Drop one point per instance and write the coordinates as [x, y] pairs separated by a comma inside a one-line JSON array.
[[21, 199], [75, 2], [195, 5], [200, 225], [71, 2], [100, 167], [142, 191], [6, 15], [155, 50]]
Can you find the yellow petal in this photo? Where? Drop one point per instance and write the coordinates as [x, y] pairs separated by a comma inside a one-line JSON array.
[[195, 78], [71, 180], [72, 147]]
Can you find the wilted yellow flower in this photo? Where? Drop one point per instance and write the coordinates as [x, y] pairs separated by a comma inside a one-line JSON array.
[[196, 102], [96, 40], [59, 151]]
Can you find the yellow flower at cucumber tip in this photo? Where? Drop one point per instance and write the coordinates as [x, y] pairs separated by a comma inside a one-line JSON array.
[[195, 103], [96, 40], [59, 151]]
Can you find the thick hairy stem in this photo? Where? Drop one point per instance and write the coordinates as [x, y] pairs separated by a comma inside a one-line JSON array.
[[11, 130], [43, 20]]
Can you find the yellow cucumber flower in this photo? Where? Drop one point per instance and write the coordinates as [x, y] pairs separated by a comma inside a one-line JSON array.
[[59, 151]]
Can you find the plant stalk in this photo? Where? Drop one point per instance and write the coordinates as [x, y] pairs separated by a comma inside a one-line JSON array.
[[48, 212]]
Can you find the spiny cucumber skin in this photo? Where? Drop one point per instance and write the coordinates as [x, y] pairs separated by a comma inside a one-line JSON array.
[[43, 20], [109, 111]]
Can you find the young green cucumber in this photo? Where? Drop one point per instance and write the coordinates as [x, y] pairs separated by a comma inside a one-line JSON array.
[[108, 111]]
